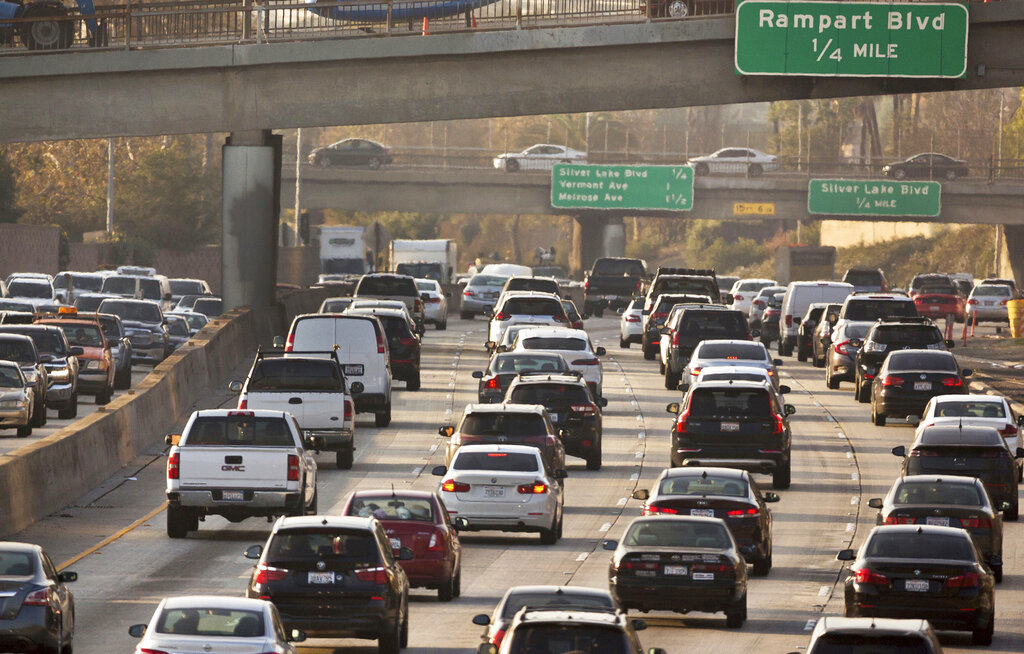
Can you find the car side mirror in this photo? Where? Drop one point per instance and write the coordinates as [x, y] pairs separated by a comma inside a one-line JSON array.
[[254, 552], [461, 523], [172, 439], [77, 351], [313, 443], [777, 362], [482, 619], [67, 577], [235, 386], [563, 433], [600, 351], [405, 554], [755, 333], [620, 310], [683, 386], [446, 431], [950, 343], [356, 387], [913, 420], [638, 624], [790, 409], [966, 372], [487, 648], [296, 636], [1020, 421], [478, 374], [602, 402], [438, 471], [770, 497], [672, 407], [643, 494], [561, 473], [845, 555], [425, 296], [899, 450], [609, 545], [783, 389], [1005, 506], [875, 502], [137, 630], [279, 342], [1019, 454], [748, 550]]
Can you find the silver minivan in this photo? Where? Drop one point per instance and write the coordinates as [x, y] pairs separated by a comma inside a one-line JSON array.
[[362, 349]]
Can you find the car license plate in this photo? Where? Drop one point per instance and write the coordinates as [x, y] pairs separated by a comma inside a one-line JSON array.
[[703, 576], [321, 577], [988, 304], [494, 491], [679, 570], [556, 417], [938, 522], [354, 369], [396, 543], [707, 513], [922, 386], [232, 496], [916, 585], [933, 307], [730, 426]]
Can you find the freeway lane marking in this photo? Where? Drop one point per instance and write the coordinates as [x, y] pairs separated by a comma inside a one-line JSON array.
[[824, 590], [582, 556], [810, 624], [110, 539]]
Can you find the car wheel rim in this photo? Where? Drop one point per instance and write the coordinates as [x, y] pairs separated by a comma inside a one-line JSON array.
[[678, 9], [46, 33]]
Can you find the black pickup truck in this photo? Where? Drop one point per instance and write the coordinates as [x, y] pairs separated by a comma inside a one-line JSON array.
[[612, 283]]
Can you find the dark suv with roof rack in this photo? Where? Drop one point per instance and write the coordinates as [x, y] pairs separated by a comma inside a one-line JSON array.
[[887, 336]]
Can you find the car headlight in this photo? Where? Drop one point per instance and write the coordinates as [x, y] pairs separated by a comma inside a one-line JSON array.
[[12, 404], [30, 374], [60, 375], [95, 364]]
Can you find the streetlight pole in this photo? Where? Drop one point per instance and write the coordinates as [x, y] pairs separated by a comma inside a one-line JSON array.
[[110, 186]]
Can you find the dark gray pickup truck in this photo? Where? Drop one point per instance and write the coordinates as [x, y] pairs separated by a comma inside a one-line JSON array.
[[612, 283]]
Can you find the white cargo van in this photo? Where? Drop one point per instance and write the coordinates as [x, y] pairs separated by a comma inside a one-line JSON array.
[[799, 296], [362, 350]]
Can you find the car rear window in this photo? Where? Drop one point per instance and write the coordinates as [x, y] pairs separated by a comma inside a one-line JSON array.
[[564, 638], [735, 376], [993, 290], [135, 311], [709, 485], [554, 343], [86, 282], [676, 533], [186, 287], [16, 350], [956, 436], [151, 289], [296, 375], [871, 310], [969, 409], [907, 335], [937, 493], [335, 306], [212, 307], [929, 361], [854, 331], [431, 270], [503, 423], [393, 286], [550, 601], [627, 267], [211, 622], [395, 327], [941, 289], [487, 280], [863, 277], [713, 324], [549, 394], [509, 363], [393, 507], [868, 644], [746, 402], [335, 546], [696, 285], [533, 306], [496, 461], [119, 285], [16, 564], [531, 284], [47, 341], [240, 431], [738, 351], [910, 545], [753, 286], [25, 288], [14, 305]]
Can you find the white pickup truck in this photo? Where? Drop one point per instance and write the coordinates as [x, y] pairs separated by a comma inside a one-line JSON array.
[[238, 464], [311, 388]]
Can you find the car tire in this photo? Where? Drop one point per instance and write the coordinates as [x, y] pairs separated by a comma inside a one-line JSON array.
[[443, 325], [801, 353], [383, 418], [103, 398], [72, 409], [413, 383], [997, 573], [446, 591], [38, 416], [123, 379], [701, 169], [1013, 513], [762, 565], [736, 614], [899, 173], [831, 382], [661, 367], [343, 459], [312, 508], [550, 536], [599, 311], [388, 643], [56, 34], [466, 315], [403, 633], [623, 343], [754, 170], [594, 458], [671, 379], [819, 362], [983, 636], [374, 163], [782, 475], [877, 418], [178, 521], [457, 584], [650, 353], [25, 432], [864, 393], [511, 165]]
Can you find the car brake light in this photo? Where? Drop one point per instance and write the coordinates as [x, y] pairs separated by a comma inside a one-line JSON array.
[[681, 421], [737, 298], [174, 466], [290, 345], [1008, 430], [952, 381], [499, 636], [376, 575], [975, 523], [897, 520], [789, 320], [658, 316], [436, 544], [867, 576], [348, 410], [417, 306], [243, 414], [560, 319], [651, 510], [502, 315], [586, 409], [1004, 302], [778, 424], [841, 348], [243, 403], [37, 598], [972, 301], [632, 317], [265, 574], [891, 380], [742, 512], [675, 339], [586, 283], [146, 650], [433, 300], [452, 486], [406, 340], [494, 382], [758, 303], [468, 293], [586, 362], [380, 342], [969, 580], [293, 467], [536, 488]]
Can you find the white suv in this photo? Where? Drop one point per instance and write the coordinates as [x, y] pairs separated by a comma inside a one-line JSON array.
[[525, 307], [573, 344]]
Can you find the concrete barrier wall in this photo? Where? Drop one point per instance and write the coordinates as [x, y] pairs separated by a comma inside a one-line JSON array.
[[42, 477]]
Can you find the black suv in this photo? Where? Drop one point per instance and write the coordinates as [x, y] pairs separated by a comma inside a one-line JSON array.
[[334, 577], [887, 336], [573, 410], [805, 333], [389, 286], [733, 424], [695, 324], [655, 321], [403, 344]]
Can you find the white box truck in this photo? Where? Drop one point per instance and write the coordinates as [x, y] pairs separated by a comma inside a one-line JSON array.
[[434, 259], [342, 250]]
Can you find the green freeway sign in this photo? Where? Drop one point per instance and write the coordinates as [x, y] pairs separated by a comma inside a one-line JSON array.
[[871, 197], [588, 186], [851, 39]]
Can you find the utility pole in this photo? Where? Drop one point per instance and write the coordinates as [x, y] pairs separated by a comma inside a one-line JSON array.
[[298, 184], [110, 187]]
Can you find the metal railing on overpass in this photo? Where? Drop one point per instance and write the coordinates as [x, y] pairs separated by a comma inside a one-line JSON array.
[[144, 25]]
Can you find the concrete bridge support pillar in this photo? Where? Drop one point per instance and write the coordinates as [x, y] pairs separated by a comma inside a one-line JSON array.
[[593, 237], [251, 197], [1013, 252]]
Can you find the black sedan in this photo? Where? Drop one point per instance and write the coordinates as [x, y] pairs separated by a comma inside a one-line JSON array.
[[38, 610], [909, 378], [921, 571], [334, 577], [973, 451], [352, 152], [504, 367], [946, 501], [725, 493], [929, 165], [681, 564]]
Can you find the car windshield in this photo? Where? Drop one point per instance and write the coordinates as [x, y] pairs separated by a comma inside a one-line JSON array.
[[210, 307], [676, 533], [703, 485], [393, 507], [747, 402], [845, 643], [240, 430], [83, 335], [561, 638], [388, 286], [495, 461], [332, 545], [335, 306], [17, 350], [48, 341], [187, 287], [296, 375], [555, 343], [501, 423], [623, 267], [177, 327], [119, 285], [713, 324], [135, 311], [564, 598], [487, 280], [533, 306], [904, 335], [151, 289], [872, 310], [26, 288], [211, 622], [516, 363], [550, 395], [928, 361], [739, 351], [913, 545], [969, 409], [863, 278], [9, 377], [937, 493], [16, 564], [14, 305]]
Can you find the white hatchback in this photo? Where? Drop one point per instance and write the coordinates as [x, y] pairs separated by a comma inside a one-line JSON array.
[[435, 302], [573, 344], [503, 488], [744, 291], [631, 324]]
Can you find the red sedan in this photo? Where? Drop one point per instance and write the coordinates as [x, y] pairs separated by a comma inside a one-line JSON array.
[[939, 303], [419, 521]]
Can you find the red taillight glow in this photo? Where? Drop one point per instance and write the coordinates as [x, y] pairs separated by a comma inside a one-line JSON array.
[[493, 382], [969, 580], [265, 574], [681, 421], [502, 315], [742, 512], [867, 576], [436, 543], [407, 340], [897, 520], [433, 300], [290, 345], [891, 380], [499, 636], [293, 467], [469, 293], [651, 510], [789, 320], [952, 381], [658, 316], [37, 598], [1008, 430], [244, 414], [376, 575], [972, 301], [380, 343], [348, 410], [585, 409], [586, 362], [561, 319], [737, 298], [452, 486], [675, 339], [536, 488], [174, 466], [632, 317], [778, 424], [146, 650], [975, 523], [243, 403], [841, 348]]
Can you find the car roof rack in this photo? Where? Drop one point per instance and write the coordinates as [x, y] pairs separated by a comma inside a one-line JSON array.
[[272, 352], [550, 373], [668, 270], [915, 320]]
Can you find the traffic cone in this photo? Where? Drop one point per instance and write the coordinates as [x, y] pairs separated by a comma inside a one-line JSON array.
[[426, 27], [474, 21]]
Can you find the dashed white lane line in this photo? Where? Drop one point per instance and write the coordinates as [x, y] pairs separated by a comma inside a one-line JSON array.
[[640, 455], [634, 476], [605, 527], [622, 501], [433, 448], [850, 526], [810, 624], [854, 476], [417, 470], [582, 556], [824, 590], [855, 499], [641, 435]]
